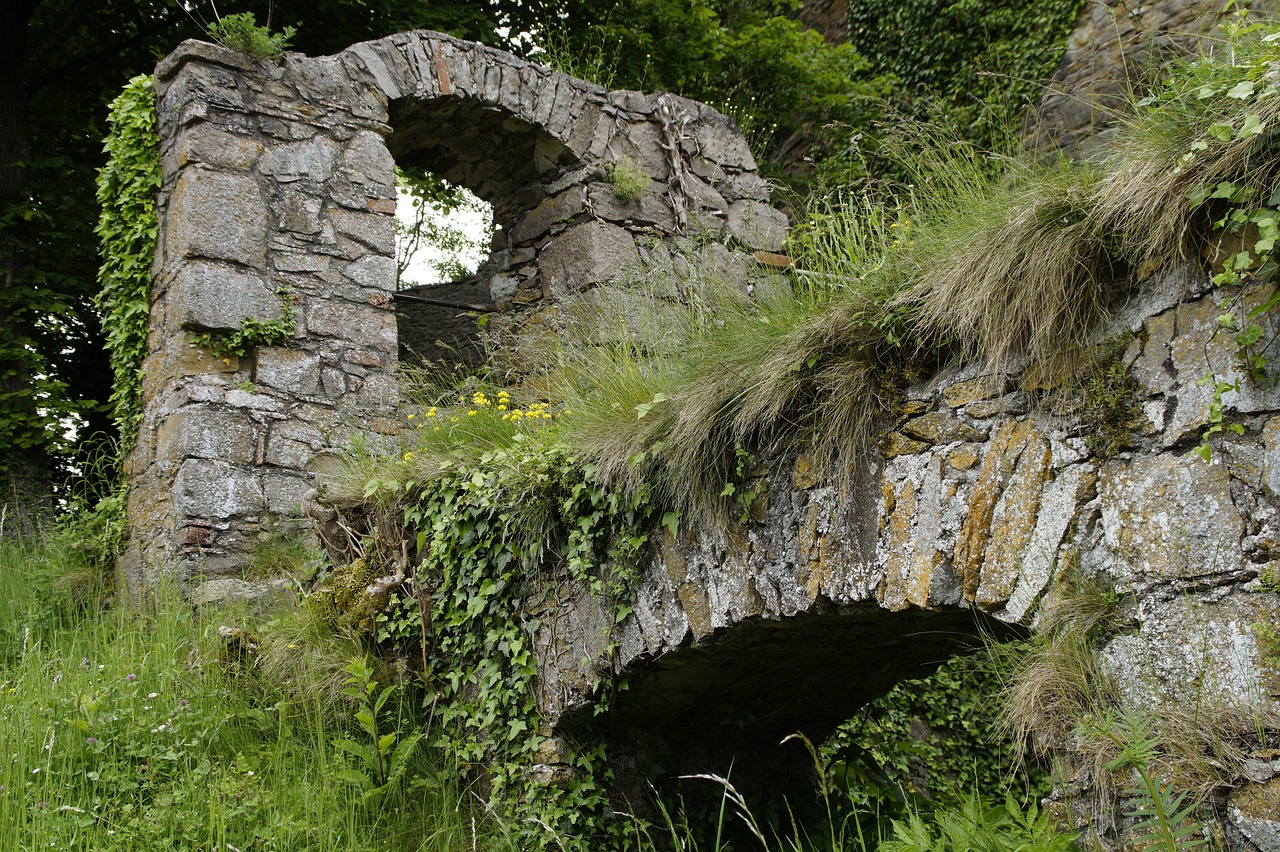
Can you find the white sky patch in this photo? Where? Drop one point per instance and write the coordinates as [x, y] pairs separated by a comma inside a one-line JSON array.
[[460, 241]]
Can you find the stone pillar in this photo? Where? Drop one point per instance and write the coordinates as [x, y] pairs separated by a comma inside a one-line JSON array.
[[277, 213], [276, 209]]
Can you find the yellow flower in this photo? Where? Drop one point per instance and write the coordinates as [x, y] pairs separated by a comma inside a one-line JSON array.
[[410, 456], [546, 416], [411, 416], [471, 413], [502, 408]]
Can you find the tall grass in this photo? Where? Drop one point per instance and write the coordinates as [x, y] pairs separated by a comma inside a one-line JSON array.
[[127, 730]]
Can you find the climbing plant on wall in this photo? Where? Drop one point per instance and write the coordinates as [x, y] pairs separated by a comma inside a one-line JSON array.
[[491, 505], [127, 227], [980, 64]]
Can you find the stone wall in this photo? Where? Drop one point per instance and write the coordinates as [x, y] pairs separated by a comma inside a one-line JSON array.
[[981, 494], [1111, 53], [277, 207]]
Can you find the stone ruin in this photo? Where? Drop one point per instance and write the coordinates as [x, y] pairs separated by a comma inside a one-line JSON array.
[[278, 204]]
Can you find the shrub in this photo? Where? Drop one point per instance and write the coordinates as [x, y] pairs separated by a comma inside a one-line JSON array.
[[240, 32]]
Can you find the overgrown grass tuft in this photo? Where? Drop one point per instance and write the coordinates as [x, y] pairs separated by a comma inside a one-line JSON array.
[[126, 730]]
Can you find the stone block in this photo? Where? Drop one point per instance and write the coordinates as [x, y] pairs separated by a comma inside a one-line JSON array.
[[651, 208], [312, 159], [375, 271], [284, 452], [538, 221], [374, 230], [757, 225], [215, 489], [209, 296], [285, 494], [938, 427], [361, 324], [217, 216], [207, 432], [587, 254], [721, 144], [207, 144], [1169, 516], [366, 160], [290, 370], [253, 401], [298, 212]]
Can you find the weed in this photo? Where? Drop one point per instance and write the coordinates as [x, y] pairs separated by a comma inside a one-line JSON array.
[[384, 760], [1012, 267], [1161, 817], [628, 179], [241, 32]]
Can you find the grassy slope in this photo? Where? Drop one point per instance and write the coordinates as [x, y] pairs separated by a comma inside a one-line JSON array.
[[129, 731]]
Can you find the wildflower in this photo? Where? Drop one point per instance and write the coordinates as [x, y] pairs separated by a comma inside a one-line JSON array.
[[411, 415], [502, 408], [91, 740], [471, 413], [42, 805], [152, 694], [409, 456], [131, 677], [184, 702]]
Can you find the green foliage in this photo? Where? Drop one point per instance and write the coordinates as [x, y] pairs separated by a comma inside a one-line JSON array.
[[488, 500], [241, 32], [384, 760], [126, 729], [1161, 818], [753, 60], [252, 333], [1097, 387], [343, 600], [929, 744], [977, 66], [628, 179], [976, 824], [127, 227]]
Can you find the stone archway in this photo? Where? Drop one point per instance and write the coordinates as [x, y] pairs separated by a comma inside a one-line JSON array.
[[276, 213]]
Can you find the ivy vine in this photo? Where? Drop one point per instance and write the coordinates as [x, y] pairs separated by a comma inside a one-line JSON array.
[[980, 63], [486, 534], [127, 228]]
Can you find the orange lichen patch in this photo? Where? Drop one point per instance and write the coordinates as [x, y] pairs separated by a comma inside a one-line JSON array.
[[897, 444], [997, 467], [900, 515], [940, 427], [1013, 524], [693, 600], [974, 390], [963, 457], [806, 474]]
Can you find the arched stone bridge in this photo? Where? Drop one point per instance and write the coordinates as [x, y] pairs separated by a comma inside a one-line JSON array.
[[277, 206], [981, 494]]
